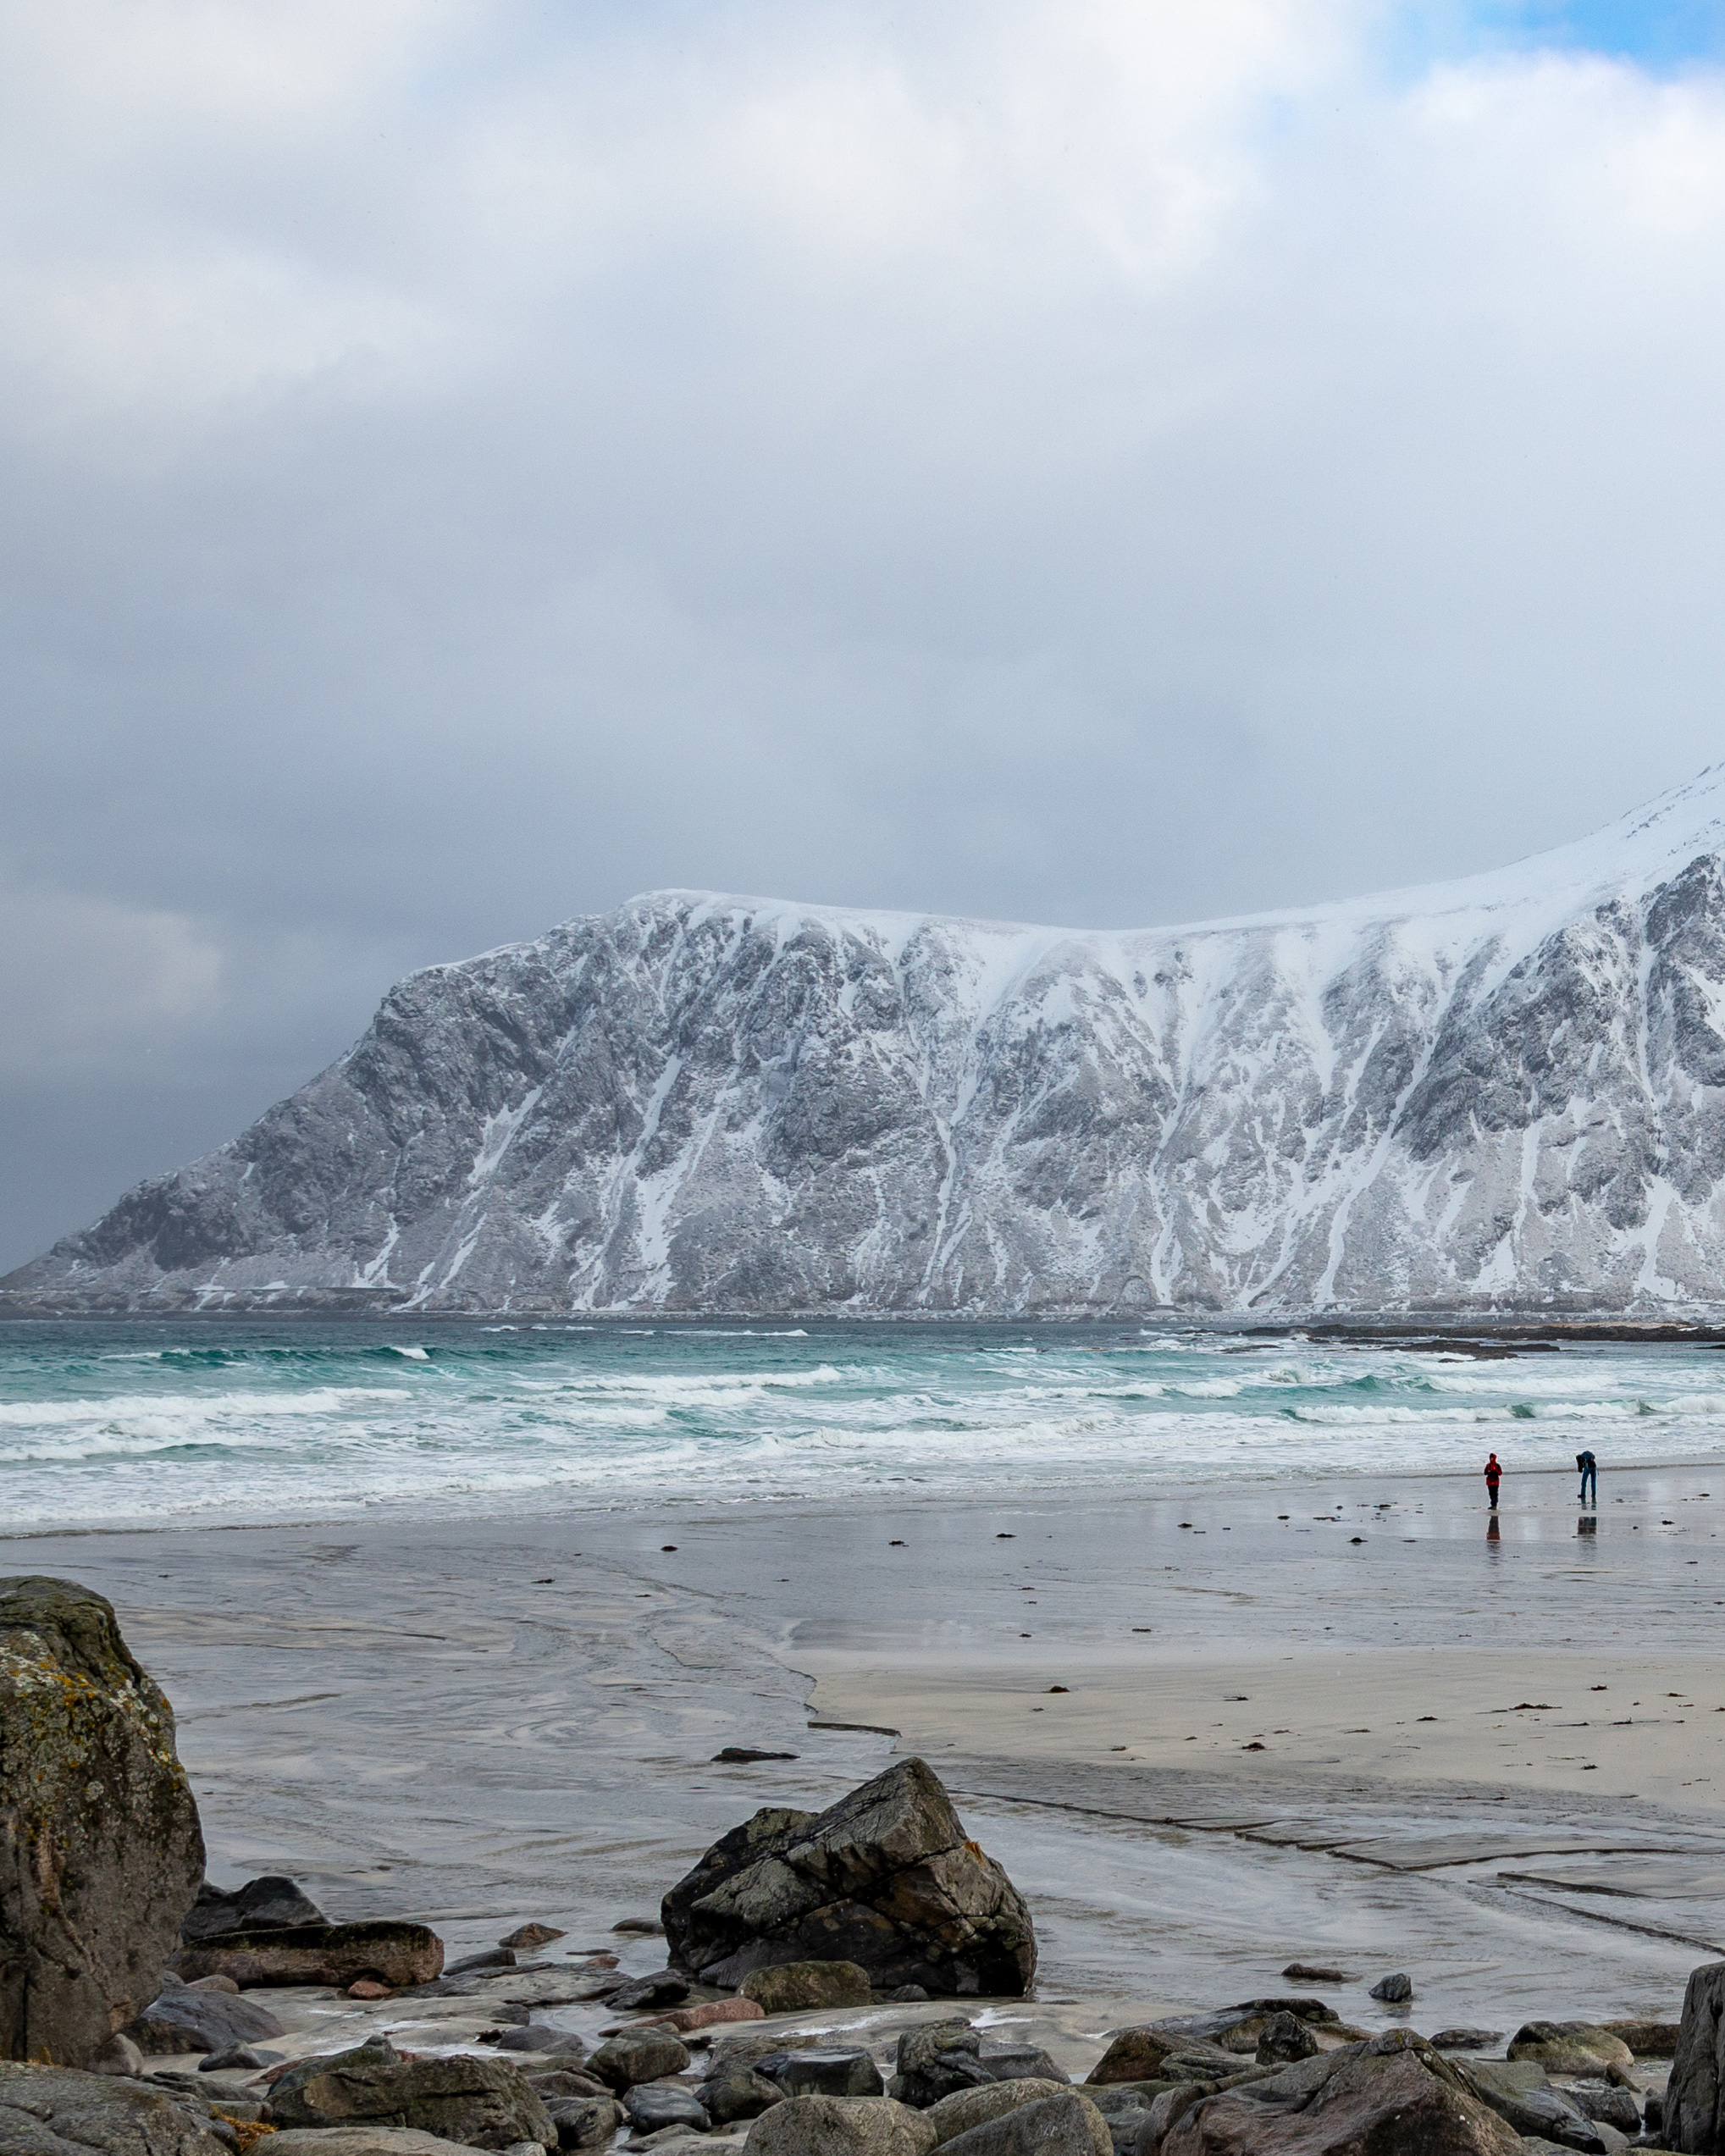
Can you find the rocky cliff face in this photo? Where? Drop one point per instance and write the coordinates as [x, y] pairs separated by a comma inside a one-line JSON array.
[[1508, 1091]]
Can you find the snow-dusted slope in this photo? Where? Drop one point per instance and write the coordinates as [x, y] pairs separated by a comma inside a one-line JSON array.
[[1506, 1092]]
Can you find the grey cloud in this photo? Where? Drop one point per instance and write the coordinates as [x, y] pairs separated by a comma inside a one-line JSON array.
[[1102, 465]]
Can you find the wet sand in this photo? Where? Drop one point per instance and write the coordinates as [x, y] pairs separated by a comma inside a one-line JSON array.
[[495, 1720]]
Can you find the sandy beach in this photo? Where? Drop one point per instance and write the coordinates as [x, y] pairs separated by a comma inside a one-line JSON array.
[[1495, 1763]]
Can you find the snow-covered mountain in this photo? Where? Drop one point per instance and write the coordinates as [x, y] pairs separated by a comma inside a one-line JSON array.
[[1508, 1091]]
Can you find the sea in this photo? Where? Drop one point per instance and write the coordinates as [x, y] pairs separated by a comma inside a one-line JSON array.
[[221, 1421]]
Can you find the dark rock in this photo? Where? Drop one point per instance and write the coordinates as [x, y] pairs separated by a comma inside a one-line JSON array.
[[483, 2101], [1283, 2038], [235, 2057], [645, 1927], [584, 2122], [183, 2019], [663, 2103], [359, 2141], [905, 1994], [1066, 2125], [746, 1755], [1466, 2039], [839, 2125], [562, 2081], [1303, 1972], [1393, 2095], [1395, 1990], [1020, 2062], [1145, 2055], [736, 2093], [937, 2059], [59, 2111], [1519, 2092], [1570, 2047], [493, 1957], [119, 2055], [637, 2055], [1695, 2092], [886, 1878], [99, 1847], [797, 1987], [532, 1935], [399, 1954], [260, 1904], [823, 2073], [1237, 2028], [664, 1987], [535, 2037], [1607, 2106]]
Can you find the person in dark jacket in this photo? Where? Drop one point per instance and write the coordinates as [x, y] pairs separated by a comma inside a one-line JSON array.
[[1492, 1473], [1590, 1478]]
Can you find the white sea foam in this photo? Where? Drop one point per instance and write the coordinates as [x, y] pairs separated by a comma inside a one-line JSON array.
[[287, 1421]]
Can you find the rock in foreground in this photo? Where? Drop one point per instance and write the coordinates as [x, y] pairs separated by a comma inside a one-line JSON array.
[[101, 1853], [1395, 2094], [47, 2110], [885, 1878], [481, 2102]]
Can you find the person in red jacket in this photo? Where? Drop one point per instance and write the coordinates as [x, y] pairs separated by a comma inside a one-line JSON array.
[[1492, 1471]]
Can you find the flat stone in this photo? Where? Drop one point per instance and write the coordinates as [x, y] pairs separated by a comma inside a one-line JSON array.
[[361, 2140], [1466, 2039], [664, 1987], [396, 1953], [797, 1987], [1646, 2039]]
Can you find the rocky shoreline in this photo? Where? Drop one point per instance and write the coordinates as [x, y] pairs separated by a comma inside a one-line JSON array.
[[859, 1980]]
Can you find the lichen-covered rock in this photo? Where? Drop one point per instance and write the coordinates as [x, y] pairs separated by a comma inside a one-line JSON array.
[[886, 1878], [483, 2102], [1570, 2047], [637, 2055], [59, 2111], [392, 1952], [101, 1852]]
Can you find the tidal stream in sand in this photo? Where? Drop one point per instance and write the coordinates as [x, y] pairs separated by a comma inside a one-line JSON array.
[[468, 1650]]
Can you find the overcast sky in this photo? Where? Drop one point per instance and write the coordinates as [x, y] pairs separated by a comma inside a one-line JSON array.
[[1101, 461]]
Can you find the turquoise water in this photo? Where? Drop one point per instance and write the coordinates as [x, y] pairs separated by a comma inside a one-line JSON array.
[[108, 1424]]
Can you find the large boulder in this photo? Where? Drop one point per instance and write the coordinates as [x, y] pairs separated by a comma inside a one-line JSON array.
[[392, 1952], [99, 1847], [59, 2111], [256, 1906], [185, 2019], [885, 1878], [1394, 2095], [485, 2102], [637, 2055]]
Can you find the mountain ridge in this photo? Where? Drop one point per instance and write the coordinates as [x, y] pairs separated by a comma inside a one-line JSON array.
[[1501, 1093]]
